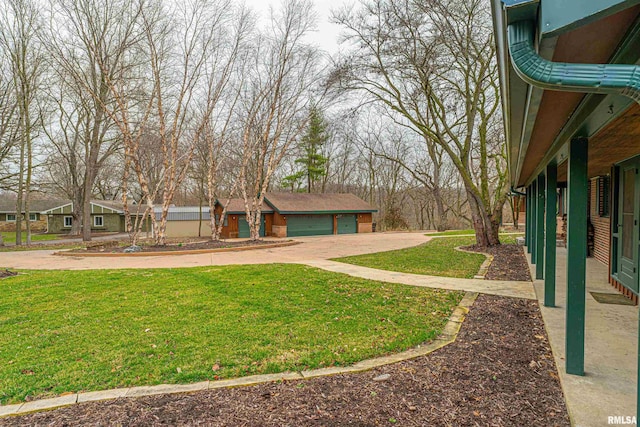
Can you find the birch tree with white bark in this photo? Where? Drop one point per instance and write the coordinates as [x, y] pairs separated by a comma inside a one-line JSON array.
[[284, 74]]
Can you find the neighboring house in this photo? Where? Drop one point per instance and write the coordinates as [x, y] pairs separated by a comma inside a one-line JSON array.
[[106, 216], [573, 128], [186, 221], [8, 215], [283, 215]]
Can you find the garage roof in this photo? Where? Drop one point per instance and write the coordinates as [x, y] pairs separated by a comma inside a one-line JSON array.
[[305, 203]]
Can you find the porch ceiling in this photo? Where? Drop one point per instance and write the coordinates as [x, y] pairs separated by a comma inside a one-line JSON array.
[[618, 141], [592, 43]]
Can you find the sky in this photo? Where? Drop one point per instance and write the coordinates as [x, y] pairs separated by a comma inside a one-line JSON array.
[[326, 36]]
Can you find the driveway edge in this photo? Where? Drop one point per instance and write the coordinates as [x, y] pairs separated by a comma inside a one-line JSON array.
[[185, 252], [448, 336]]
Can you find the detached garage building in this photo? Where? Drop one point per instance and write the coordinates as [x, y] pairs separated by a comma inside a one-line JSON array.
[[299, 214], [302, 214]]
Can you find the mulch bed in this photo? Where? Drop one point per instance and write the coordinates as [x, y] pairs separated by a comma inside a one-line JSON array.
[[499, 372], [109, 247], [509, 262], [7, 273]]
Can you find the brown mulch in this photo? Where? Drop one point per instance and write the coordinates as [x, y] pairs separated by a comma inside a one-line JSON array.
[[109, 247], [7, 273], [509, 262], [499, 372]]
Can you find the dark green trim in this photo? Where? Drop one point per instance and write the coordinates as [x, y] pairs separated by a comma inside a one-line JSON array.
[[558, 17], [594, 113], [550, 238], [534, 223], [590, 78], [322, 212], [576, 255], [540, 228], [526, 216]]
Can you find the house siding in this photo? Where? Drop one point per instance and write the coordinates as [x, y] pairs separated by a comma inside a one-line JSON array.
[[111, 223], [37, 226]]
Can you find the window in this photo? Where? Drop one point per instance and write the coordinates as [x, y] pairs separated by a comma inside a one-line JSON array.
[[226, 220], [33, 217], [603, 195], [68, 221], [11, 217], [98, 221]]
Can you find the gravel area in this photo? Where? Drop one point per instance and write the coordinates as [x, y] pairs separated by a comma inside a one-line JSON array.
[[509, 262], [185, 245]]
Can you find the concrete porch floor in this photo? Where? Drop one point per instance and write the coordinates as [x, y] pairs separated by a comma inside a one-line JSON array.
[[611, 349]]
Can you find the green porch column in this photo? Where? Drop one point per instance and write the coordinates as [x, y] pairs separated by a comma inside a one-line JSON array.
[[534, 223], [576, 255], [550, 237], [539, 219], [527, 231]]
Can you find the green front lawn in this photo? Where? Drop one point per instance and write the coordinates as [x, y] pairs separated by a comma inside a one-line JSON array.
[[452, 233], [437, 257], [69, 331], [10, 237]]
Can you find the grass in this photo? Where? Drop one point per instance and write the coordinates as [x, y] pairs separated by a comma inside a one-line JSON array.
[[437, 257], [467, 232], [41, 247], [452, 233], [70, 331], [10, 237]]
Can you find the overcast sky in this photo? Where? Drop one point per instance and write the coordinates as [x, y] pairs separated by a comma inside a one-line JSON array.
[[326, 36]]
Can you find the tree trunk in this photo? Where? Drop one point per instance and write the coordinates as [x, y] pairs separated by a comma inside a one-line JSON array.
[[76, 214], [86, 212], [200, 215], [19, 201], [441, 214]]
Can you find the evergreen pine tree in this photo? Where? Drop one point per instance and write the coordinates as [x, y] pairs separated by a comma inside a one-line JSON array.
[[314, 164]]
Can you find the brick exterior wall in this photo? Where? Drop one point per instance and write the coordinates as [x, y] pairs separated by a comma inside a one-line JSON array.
[[601, 227]]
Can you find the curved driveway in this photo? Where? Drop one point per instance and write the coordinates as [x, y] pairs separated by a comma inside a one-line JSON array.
[[310, 249], [313, 251]]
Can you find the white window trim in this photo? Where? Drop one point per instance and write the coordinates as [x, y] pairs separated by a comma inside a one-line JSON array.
[[14, 218], [95, 218], [64, 223], [35, 217]]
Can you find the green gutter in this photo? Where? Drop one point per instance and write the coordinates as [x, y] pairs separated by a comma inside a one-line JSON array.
[[589, 78], [326, 212]]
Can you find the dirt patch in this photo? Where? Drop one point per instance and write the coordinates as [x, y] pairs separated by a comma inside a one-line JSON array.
[[188, 245], [499, 372], [509, 262], [7, 273]]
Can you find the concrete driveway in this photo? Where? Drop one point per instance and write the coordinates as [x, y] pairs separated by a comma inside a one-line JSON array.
[[310, 249]]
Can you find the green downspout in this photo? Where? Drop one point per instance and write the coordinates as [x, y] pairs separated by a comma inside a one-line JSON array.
[[589, 78]]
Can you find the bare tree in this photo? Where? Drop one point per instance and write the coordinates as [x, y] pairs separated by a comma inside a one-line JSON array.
[[90, 52], [19, 20], [433, 63], [285, 70]]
